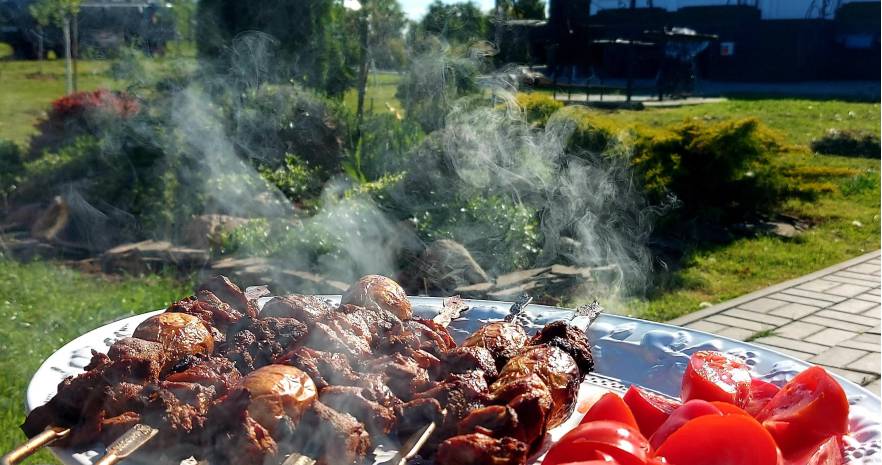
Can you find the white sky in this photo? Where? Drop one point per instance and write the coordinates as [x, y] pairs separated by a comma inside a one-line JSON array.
[[415, 9]]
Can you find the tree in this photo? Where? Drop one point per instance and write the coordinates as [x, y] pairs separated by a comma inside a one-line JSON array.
[[528, 9], [311, 37], [43, 12], [64, 13], [456, 23]]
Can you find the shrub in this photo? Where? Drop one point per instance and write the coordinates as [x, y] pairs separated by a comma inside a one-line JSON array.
[[848, 143], [591, 131], [386, 146], [11, 166], [720, 172], [538, 107], [82, 113], [295, 178], [502, 234], [274, 121]]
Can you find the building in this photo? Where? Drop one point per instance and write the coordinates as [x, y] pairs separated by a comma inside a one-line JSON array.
[[758, 40]]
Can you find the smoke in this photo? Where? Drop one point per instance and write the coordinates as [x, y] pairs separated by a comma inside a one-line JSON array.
[[526, 199]]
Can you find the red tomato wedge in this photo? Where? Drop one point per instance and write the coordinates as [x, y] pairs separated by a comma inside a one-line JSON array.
[[761, 392], [590, 462], [720, 440], [806, 411], [715, 376], [729, 409], [610, 407], [649, 409], [828, 453], [600, 440], [692, 409]]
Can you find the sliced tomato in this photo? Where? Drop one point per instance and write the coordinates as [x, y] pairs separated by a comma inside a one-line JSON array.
[[828, 453], [610, 407], [716, 376], [692, 409], [600, 440], [649, 409], [729, 409], [806, 411], [720, 440], [761, 392], [590, 462]]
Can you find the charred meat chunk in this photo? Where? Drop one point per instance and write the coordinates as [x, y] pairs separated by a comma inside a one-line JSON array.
[[378, 419], [480, 449], [469, 359], [330, 436], [503, 339], [568, 338], [304, 308]]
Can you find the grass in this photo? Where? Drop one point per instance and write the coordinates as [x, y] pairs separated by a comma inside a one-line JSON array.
[[28, 87], [379, 94], [43, 306]]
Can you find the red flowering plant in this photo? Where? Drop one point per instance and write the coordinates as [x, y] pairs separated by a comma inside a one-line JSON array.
[[82, 113]]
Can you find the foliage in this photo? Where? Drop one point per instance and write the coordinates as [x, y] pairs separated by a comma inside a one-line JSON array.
[[128, 65], [46, 12], [82, 113], [456, 23], [46, 305], [434, 85], [524, 9], [386, 25], [386, 145], [497, 230], [591, 130], [848, 143], [294, 177], [314, 52], [276, 120], [538, 108], [12, 166], [721, 172]]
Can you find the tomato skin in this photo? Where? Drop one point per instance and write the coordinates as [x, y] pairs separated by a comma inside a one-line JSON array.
[[649, 409], [729, 409], [708, 440], [761, 392], [691, 409], [610, 407], [714, 376], [600, 440], [807, 411]]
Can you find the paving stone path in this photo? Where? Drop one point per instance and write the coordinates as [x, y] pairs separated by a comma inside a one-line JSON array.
[[829, 318]]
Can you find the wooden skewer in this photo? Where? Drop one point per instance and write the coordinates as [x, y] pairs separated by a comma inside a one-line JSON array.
[[29, 448], [127, 444]]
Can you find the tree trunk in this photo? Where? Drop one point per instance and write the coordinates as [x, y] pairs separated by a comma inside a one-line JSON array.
[[363, 69], [68, 66], [76, 48], [40, 50]]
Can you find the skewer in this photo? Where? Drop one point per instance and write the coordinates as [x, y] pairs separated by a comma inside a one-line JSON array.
[[517, 314], [127, 444], [29, 448]]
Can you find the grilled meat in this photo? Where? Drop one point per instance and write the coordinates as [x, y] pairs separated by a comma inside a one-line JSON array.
[[480, 449], [569, 339], [503, 339]]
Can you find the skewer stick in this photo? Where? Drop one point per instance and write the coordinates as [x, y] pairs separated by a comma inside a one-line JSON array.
[[29, 448], [127, 444]]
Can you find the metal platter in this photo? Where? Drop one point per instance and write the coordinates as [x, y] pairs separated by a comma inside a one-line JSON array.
[[626, 351]]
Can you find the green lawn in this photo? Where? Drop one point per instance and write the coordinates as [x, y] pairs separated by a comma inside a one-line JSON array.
[[379, 95], [43, 306]]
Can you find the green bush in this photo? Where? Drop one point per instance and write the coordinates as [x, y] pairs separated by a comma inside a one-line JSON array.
[[848, 143], [591, 131], [386, 146], [720, 172], [295, 178], [501, 234], [11, 166], [276, 120], [537, 107]]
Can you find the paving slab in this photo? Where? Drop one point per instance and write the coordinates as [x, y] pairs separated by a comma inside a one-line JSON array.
[[830, 317]]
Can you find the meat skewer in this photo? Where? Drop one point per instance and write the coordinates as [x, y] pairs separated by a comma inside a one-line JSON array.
[[178, 334], [517, 386]]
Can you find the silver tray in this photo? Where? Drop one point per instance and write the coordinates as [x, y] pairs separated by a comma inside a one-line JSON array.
[[626, 351]]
